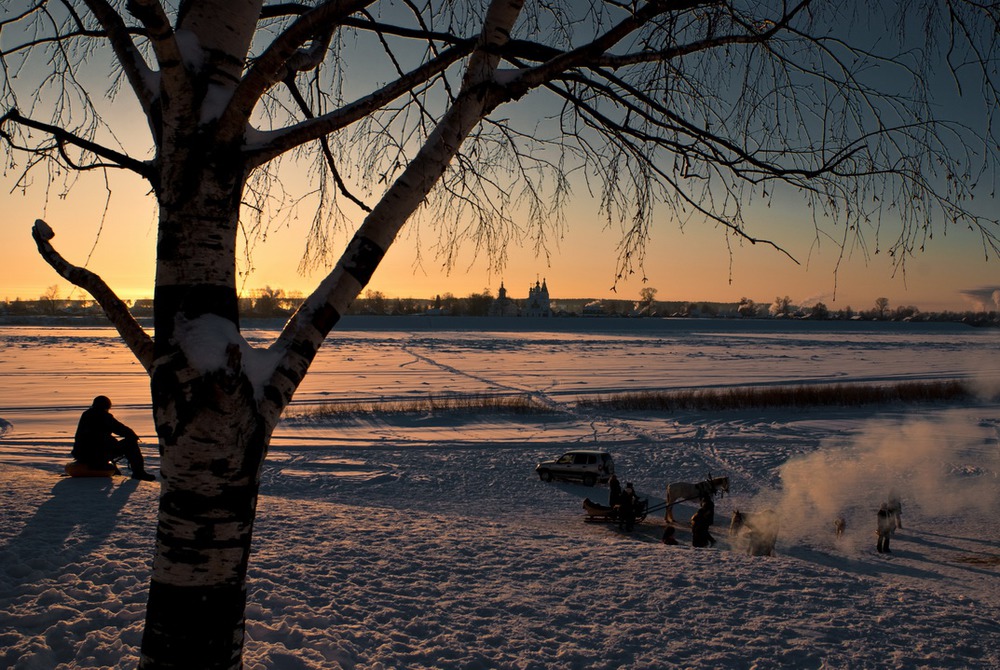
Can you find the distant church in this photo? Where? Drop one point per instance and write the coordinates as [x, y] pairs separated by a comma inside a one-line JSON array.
[[537, 303], [538, 300]]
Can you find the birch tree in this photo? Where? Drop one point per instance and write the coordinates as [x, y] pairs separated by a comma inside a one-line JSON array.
[[680, 111]]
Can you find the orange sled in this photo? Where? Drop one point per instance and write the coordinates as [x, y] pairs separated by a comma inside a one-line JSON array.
[[78, 469]]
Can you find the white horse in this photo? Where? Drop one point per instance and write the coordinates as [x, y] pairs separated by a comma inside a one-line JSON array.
[[758, 529], [680, 491]]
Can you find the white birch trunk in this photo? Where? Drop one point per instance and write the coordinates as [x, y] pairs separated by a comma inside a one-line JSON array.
[[213, 429], [211, 436]]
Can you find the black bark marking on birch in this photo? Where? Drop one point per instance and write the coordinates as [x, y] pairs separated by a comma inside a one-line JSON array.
[[291, 374], [303, 348], [275, 396], [365, 260], [168, 246], [325, 318], [192, 301], [166, 391], [219, 466], [216, 392], [256, 452], [237, 501], [194, 625]]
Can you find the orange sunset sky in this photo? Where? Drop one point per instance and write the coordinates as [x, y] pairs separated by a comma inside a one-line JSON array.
[[690, 264]]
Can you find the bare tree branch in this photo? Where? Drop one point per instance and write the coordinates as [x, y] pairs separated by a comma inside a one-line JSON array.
[[117, 311], [272, 67], [309, 326], [63, 137], [138, 72], [278, 142], [325, 145]]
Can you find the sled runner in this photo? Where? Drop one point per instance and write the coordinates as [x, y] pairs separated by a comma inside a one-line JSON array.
[[599, 512]]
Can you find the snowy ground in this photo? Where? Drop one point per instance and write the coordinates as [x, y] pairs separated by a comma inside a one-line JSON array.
[[428, 542]]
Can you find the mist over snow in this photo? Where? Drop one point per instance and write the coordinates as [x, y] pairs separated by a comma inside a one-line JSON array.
[[425, 540], [941, 467]]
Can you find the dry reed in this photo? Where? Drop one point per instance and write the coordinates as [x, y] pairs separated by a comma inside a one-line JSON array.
[[704, 399]]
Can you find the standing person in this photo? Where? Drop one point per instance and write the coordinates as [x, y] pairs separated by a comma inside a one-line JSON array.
[[885, 525], [614, 491], [701, 521], [709, 506], [626, 517], [95, 444]]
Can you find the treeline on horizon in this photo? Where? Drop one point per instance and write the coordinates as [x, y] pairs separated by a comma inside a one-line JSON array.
[[275, 303]]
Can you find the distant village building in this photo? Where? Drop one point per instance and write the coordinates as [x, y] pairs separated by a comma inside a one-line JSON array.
[[536, 304], [504, 306]]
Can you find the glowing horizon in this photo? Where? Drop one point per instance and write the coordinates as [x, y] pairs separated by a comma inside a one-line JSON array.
[[691, 265]]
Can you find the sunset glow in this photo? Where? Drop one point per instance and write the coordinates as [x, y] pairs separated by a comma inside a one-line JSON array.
[[692, 264]]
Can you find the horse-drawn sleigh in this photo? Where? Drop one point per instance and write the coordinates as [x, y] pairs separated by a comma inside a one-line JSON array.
[[598, 512], [677, 492]]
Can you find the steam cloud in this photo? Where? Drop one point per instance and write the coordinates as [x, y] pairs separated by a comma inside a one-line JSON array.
[[937, 468]]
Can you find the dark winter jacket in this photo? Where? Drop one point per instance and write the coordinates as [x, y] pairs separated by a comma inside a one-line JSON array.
[[614, 491], [94, 441], [701, 521]]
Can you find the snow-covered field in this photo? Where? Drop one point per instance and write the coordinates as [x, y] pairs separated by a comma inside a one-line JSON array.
[[427, 541]]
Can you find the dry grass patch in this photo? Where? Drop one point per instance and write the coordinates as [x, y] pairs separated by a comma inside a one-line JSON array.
[[505, 404], [741, 397], [750, 397]]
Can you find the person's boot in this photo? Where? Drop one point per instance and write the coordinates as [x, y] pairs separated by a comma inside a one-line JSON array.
[[143, 476]]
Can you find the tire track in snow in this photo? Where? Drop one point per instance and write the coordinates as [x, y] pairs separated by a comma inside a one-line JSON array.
[[699, 448], [534, 393], [601, 424]]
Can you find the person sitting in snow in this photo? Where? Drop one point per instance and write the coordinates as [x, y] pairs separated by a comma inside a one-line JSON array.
[[668, 536], [96, 446]]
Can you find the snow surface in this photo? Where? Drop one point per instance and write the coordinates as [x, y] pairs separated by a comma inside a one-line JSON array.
[[427, 541]]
